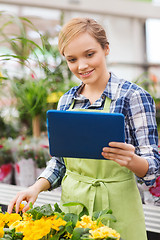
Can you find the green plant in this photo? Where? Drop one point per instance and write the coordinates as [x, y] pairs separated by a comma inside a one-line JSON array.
[[7, 129], [36, 76], [56, 225], [5, 152]]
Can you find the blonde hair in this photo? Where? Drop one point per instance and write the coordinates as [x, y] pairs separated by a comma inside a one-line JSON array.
[[80, 25]]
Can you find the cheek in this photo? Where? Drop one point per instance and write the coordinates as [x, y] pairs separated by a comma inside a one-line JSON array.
[[96, 63], [72, 67]]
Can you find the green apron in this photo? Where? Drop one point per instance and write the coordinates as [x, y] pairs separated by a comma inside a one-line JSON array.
[[101, 184]]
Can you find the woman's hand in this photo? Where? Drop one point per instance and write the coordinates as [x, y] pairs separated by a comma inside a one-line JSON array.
[[28, 195], [122, 153]]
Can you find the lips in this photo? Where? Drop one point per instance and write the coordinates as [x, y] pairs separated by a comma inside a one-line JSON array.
[[86, 74]]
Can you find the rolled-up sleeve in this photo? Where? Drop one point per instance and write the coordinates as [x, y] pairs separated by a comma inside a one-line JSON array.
[[144, 132], [54, 172]]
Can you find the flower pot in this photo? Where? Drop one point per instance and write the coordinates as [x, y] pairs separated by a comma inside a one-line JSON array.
[[25, 172], [6, 171]]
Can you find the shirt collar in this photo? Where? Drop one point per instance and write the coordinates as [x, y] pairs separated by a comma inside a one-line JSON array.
[[112, 86], [109, 91]]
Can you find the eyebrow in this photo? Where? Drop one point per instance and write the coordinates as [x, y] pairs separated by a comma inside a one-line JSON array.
[[90, 49]]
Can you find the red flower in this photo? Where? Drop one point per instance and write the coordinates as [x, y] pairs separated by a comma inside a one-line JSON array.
[[1, 146], [44, 146], [155, 191], [32, 75], [5, 169]]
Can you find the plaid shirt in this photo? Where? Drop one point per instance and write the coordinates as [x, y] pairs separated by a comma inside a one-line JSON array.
[[140, 123]]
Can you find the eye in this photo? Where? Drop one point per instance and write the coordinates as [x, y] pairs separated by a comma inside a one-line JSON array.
[[90, 54], [72, 60]]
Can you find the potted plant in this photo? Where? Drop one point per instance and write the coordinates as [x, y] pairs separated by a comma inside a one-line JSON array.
[[38, 76], [30, 156]]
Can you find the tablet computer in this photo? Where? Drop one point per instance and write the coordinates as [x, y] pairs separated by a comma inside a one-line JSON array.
[[81, 134]]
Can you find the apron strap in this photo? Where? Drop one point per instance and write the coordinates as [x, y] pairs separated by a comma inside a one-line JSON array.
[[94, 183], [106, 104]]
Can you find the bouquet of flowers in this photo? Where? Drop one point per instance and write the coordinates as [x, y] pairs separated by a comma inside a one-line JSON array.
[[46, 223], [30, 148], [31, 156]]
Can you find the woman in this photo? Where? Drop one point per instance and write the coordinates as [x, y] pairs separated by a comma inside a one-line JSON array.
[[98, 183]]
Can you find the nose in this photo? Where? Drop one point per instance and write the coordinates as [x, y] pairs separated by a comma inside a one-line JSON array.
[[82, 65]]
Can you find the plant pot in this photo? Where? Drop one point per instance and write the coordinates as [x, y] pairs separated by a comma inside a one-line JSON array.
[[25, 172], [6, 171]]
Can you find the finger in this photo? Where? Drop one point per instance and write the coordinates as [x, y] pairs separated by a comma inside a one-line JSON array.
[[12, 204], [115, 151], [122, 162], [121, 145], [27, 206], [21, 197], [18, 202], [113, 156]]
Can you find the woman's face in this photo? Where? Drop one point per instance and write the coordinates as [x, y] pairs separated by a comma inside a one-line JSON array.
[[86, 59]]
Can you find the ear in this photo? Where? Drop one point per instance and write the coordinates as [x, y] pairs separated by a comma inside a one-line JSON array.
[[107, 50]]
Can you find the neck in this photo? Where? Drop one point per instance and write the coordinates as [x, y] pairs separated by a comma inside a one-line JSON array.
[[94, 91]]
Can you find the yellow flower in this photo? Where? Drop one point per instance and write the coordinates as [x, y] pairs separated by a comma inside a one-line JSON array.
[[86, 222], [35, 230], [1, 232], [26, 216], [104, 232], [54, 97], [21, 206], [11, 218], [18, 225], [2, 220], [56, 222], [67, 235]]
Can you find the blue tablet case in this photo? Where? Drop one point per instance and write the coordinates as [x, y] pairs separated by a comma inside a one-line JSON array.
[[80, 134]]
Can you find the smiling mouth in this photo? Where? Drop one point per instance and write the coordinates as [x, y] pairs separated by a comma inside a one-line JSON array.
[[86, 74]]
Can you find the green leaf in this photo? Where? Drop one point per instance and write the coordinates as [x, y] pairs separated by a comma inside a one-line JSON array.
[[97, 214], [105, 218], [57, 208], [38, 212], [78, 232], [111, 238], [58, 234], [84, 210], [71, 217], [69, 227], [30, 205]]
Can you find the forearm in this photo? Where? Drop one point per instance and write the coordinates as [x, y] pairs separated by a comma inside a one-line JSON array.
[[41, 185], [138, 165], [54, 173]]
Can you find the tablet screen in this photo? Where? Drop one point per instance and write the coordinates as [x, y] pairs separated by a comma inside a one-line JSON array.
[[81, 134]]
